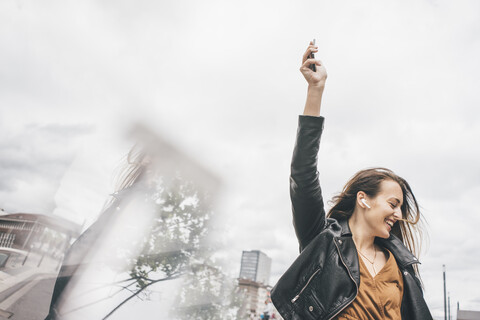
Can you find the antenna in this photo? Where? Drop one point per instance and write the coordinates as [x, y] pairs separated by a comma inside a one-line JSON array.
[[444, 292]]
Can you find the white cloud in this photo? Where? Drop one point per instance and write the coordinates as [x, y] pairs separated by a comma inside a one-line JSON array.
[[33, 161]]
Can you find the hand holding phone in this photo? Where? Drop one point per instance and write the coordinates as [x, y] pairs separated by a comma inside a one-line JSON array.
[[313, 69]]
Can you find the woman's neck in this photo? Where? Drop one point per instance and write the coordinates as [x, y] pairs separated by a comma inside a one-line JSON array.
[[364, 240]]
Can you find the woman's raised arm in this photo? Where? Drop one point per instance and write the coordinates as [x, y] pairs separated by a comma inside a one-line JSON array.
[[305, 192]]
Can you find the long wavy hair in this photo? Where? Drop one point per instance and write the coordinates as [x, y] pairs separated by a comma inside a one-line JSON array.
[[409, 229], [132, 170]]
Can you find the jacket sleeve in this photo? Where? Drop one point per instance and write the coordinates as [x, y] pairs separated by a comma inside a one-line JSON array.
[[305, 192]]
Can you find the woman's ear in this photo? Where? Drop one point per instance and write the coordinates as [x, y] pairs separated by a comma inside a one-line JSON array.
[[361, 200]]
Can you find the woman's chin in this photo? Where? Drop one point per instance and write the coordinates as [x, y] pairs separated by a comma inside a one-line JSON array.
[[384, 235]]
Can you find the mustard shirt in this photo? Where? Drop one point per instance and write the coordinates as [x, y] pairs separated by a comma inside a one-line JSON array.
[[379, 297]]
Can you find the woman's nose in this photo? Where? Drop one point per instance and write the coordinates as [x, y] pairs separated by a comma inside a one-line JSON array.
[[397, 213]]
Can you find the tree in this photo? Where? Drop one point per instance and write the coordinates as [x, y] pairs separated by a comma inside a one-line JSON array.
[[178, 245]]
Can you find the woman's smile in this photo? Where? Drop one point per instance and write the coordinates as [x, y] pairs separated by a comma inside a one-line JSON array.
[[389, 224]]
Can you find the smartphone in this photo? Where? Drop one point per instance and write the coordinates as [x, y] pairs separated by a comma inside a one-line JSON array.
[[312, 56]]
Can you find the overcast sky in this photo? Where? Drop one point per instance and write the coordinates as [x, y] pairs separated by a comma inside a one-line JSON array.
[[220, 80]]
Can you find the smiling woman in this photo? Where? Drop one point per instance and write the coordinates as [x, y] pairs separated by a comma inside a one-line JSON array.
[[356, 262], [382, 187]]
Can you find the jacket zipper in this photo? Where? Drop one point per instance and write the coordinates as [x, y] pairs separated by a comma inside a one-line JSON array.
[[356, 285], [309, 279]]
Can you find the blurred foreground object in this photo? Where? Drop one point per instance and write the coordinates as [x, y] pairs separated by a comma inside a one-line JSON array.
[[148, 255]]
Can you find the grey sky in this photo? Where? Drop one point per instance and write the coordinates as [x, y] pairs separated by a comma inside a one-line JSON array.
[[220, 79]]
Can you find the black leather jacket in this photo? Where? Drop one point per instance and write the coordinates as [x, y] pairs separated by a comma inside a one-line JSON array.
[[325, 277]]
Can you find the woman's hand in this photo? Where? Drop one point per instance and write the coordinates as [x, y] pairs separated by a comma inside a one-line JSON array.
[[314, 78], [316, 81]]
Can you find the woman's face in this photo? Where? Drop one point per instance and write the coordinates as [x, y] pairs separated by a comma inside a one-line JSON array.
[[385, 209]]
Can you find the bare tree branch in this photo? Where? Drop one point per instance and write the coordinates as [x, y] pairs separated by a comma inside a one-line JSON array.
[[174, 276]]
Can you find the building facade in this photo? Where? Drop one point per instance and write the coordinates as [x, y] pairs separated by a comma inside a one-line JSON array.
[[253, 281], [468, 315], [255, 267], [26, 236], [255, 295]]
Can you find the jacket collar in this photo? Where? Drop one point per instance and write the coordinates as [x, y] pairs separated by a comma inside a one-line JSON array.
[[345, 227], [393, 244]]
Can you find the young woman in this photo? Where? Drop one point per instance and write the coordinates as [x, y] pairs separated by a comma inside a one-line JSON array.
[[356, 262]]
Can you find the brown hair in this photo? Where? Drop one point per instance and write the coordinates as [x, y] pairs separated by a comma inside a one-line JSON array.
[[408, 229], [133, 169]]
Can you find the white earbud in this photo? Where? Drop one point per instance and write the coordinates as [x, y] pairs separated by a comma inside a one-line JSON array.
[[365, 203]]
